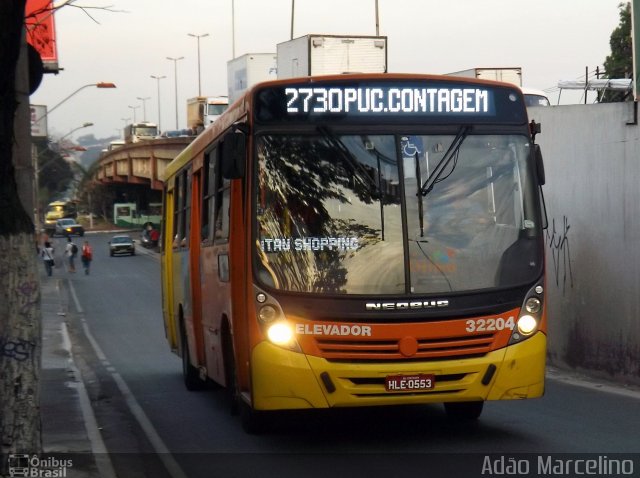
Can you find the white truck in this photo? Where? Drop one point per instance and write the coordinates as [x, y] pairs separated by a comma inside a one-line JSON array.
[[508, 75], [204, 110], [247, 70], [331, 54]]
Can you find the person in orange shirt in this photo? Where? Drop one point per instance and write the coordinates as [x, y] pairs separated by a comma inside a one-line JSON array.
[[86, 257]]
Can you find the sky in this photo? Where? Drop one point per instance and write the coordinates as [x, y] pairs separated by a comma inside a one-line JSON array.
[[128, 41]]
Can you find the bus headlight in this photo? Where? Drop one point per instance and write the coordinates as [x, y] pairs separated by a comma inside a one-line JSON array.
[[273, 322], [533, 305], [280, 333], [267, 314], [527, 325], [531, 315]]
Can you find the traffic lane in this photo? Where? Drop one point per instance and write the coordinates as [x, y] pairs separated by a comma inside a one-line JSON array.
[[568, 419]]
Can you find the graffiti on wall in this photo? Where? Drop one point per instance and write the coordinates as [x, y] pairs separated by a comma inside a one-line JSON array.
[[557, 239]]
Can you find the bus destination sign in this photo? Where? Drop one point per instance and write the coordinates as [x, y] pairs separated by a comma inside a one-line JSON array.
[[392, 101], [384, 99]]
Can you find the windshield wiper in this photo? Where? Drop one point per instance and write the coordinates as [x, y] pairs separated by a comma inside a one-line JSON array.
[[452, 152], [359, 172], [419, 194], [348, 156]]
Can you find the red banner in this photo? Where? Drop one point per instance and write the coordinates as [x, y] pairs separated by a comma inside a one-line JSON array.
[[41, 31]]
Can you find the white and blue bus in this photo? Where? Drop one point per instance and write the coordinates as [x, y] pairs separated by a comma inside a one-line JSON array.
[[127, 215]]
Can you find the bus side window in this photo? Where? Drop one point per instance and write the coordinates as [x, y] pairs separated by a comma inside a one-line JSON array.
[[182, 209], [208, 192], [177, 203], [222, 208], [168, 196], [186, 211]]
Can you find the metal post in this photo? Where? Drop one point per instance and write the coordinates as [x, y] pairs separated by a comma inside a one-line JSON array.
[[293, 8], [134, 108], [158, 78], [144, 106], [377, 21], [233, 29], [175, 77], [102, 84], [197, 37]]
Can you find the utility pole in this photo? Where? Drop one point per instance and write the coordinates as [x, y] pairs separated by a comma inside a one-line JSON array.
[[158, 78], [144, 106], [175, 77], [197, 37], [134, 108]]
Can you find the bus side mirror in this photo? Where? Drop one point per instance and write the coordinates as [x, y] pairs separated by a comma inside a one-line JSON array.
[[234, 151], [539, 165]]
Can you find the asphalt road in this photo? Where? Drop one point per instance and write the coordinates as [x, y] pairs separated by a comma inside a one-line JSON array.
[[152, 426]]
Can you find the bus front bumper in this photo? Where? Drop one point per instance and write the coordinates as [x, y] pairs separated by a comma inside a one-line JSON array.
[[283, 379]]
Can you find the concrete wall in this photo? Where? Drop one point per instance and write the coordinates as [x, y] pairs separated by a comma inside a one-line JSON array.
[[592, 162]]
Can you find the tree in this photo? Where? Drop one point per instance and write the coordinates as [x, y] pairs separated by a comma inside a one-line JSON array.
[[20, 313], [19, 280], [619, 64], [54, 173]]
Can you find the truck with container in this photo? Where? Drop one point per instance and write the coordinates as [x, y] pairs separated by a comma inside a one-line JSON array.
[[204, 110], [247, 70], [312, 55], [136, 132], [511, 75]]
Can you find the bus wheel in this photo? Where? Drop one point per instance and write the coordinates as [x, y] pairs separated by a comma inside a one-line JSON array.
[[464, 411], [232, 390], [189, 372], [253, 421]]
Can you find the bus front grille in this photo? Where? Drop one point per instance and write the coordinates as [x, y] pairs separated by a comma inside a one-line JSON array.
[[388, 350]]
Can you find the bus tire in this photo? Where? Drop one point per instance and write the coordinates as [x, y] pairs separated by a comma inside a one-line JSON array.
[[464, 411], [189, 373], [231, 378], [253, 421]]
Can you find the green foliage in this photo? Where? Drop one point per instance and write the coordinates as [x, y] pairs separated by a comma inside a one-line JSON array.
[[619, 64], [54, 172]]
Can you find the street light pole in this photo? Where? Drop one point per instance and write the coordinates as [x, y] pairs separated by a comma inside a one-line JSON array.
[[175, 75], [126, 122], [38, 167], [102, 84], [144, 106], [84, 125], [158, 78], [134, 108], [197, 37], [233, 29]]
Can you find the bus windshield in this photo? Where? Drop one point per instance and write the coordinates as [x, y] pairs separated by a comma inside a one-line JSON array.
[[346, 214]]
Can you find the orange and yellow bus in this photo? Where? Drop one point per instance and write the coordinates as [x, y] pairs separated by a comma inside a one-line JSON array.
[[360, 240]]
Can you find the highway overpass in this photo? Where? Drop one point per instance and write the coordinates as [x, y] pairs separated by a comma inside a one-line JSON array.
[[139, 164]]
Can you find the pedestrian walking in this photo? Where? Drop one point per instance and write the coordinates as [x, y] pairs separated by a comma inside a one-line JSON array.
[[47, 257], [86, 257], [71, 251]]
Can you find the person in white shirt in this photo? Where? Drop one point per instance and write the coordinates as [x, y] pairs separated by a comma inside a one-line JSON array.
[[47, 257], [71, 251]]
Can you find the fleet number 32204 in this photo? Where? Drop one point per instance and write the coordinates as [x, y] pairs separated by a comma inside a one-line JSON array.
[[490, 325]]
